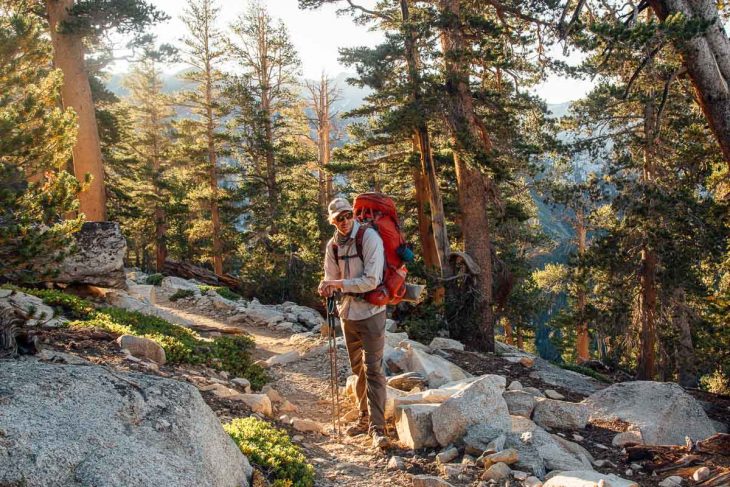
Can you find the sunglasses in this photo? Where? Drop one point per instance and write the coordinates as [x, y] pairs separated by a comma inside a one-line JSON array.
[[343, 217]]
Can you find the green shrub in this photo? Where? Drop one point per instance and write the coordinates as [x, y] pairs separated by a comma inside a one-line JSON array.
[[155, 279], [181, 345], [222, 291], [182, 294], [271, 450], [717, 383]]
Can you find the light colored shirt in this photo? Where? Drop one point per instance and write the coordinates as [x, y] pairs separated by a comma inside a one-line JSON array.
[[359, 276]]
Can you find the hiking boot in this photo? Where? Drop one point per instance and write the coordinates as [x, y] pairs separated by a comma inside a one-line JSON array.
[[379, 439], [359, 428]]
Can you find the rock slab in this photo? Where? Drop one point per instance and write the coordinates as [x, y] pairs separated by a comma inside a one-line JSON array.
[[414, 425], [90, 426], [661, 411], [479, 402]]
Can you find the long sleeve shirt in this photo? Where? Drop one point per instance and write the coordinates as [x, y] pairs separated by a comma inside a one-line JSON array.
[[359, 276]]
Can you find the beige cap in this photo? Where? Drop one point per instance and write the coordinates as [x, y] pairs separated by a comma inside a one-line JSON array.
[[337, 206]]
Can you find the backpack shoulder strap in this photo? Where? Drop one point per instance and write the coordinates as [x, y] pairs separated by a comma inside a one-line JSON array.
[[359, 238]]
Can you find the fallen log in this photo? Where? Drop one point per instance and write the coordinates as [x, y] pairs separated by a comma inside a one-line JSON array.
[[190, 271], [718, 444]]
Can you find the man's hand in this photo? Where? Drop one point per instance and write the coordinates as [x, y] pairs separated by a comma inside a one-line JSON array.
[[326, 288]]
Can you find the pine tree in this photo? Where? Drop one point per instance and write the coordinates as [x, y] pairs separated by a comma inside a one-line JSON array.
[[204, 52], [35, 190], [146, 147], [263, 50]]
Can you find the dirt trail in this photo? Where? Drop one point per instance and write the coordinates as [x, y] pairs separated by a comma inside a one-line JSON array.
[[305, 383]]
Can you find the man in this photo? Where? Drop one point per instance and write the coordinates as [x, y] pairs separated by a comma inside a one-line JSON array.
[[363, 324]]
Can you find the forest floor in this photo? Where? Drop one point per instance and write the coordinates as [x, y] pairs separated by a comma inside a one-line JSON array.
[[305, 383]]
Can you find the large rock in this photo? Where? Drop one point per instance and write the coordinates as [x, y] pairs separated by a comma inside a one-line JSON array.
[[414, 425], [479, 402], [98, 259], [70, 425], [661, 411], [519, 403], [587, 478], [541, 451], [143, 292], [550, 413], [436, 370], [142, 347]]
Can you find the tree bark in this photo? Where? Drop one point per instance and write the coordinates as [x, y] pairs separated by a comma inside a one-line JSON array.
[[686, 360], [508, 333], [265, 81], [582, 344], [648, 268], [68, 56], [707, 58], [425, 228], [212, 165], [470, 140]]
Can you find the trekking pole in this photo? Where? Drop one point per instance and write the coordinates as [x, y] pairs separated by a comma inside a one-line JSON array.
[[334, 388]]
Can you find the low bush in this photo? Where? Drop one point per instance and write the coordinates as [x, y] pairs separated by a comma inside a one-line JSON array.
[[182, 345], [155, 279], [182, 294], [222, 291], [270, 449]]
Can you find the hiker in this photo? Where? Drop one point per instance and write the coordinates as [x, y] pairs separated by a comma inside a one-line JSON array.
[[363, 324]]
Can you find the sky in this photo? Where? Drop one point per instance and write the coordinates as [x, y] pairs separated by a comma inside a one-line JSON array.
[[317, 34]]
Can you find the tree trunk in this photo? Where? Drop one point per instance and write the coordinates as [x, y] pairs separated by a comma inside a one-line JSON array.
[[68, 56], [425, 229], [508, 334], [470, 140], [582, 344], [707, 58], [213, 169], [648, 267], [686, 360], [265, 81], [423, 143]]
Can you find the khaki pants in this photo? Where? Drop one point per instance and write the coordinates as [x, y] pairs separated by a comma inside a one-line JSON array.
[[365, 340]]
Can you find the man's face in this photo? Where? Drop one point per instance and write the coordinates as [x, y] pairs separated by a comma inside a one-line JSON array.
[[344, 222]]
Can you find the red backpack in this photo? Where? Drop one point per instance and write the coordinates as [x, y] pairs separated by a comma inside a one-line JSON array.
[[377, 211]]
